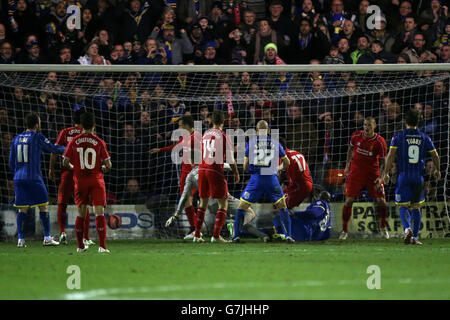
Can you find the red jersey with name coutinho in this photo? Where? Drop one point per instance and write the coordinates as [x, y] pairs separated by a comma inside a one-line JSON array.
[[86, 153], [367, 153], [65, 135]]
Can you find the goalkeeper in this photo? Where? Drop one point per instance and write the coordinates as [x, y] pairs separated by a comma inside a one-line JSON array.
[[233, 203]]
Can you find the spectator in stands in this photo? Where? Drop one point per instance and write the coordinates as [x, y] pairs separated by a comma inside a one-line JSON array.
[[65, 55], [310, 43], [362, 16], [429, 121], [417, 52], [89, 26], [235, 49], [197, 40], [307, 11], [33, 55], [147, 130], [175, 108], [111, 97], [392, 123], [167, 18], [102, 37], [264, 36], [334, 57], [405, 37], [205, 116], [344, 50], [132, 194], [444, 54], [189, 11], [174, 47], [257, 6], [437, 13], [2, 32], [381, 33], [248, 26], [334, 20], [403, 58], [25, 22], [271, 55], [280, 22], [362, 47], [351, 33], [6, 53], [152, 54], [209, 32], [53, 119], [398, 11], [91, 53], [7, 123], [430, 183], [138, 21], [209, 55], [107, 16], [377, 52]]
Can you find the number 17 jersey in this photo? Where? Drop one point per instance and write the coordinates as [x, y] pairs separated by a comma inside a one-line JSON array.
[[86, 153], [412, 146]]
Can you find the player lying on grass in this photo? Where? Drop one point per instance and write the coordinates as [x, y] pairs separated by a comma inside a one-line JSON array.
[[216, 148], [365, 159], [66, 185], [261, 160], [313, 224], [29, 187], [87, 155], [411, 147], [233, 203], [188, 144]]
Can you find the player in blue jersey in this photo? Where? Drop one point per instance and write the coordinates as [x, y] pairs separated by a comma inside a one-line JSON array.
[[411, 147], [29, 188], [261, 160]]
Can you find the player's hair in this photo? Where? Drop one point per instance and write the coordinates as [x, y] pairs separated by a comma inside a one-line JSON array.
[[77, 115], [372, 119], [412, 117], [218, 117], [187, 119], [87, 121], [283, 142], [31, 120], [325, 196]]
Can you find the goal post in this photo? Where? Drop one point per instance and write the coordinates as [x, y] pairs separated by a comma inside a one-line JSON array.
[[315, 107]]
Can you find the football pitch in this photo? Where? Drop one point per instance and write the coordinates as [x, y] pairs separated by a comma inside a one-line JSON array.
[[173, 269]]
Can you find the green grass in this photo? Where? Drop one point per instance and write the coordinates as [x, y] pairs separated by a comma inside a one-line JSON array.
[[172, 269]]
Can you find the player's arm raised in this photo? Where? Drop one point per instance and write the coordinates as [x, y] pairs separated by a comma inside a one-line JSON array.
[[388, 164], [437, 164]]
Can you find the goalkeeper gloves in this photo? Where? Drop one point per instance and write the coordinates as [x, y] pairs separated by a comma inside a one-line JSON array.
[[171, 220]]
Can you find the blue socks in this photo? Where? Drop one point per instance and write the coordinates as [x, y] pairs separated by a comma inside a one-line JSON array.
[[20, 219], [45, 219], [285, 222], [405, 217], [277, 223], [238, 221], [416, 217]]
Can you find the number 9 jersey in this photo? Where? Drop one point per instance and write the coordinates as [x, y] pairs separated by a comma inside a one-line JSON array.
[[86, 153]]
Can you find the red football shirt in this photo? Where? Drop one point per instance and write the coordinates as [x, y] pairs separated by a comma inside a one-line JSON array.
[[189, 144], [65, 135], [298, 170], [366, 153], [86, 153], [215, 145]]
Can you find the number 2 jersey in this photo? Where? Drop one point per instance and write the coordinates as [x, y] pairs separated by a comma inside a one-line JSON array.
[[413, 146], [263, 153], [366, 154], [86, 153]]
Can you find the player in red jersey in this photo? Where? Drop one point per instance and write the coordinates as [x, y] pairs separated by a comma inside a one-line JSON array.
[[87, 155], [216, 147], [300, 181], [190, 145], [66, 185], [365, 156]]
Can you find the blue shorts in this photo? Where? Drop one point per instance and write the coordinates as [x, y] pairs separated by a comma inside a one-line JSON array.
[[304, 229], [410, 190], [30, 194], [262, 185]]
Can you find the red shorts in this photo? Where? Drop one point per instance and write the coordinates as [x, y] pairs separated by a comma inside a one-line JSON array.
[[212, 184], [66, 186], [296, 193], [90, 192], [357, 182], [183, 176]]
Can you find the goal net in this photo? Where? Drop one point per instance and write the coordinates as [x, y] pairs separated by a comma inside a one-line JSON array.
[[315, 107]]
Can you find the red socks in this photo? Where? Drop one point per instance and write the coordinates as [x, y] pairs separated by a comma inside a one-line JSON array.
[[200, 218], [346, 214], [87, 223], [221, 216], [382, 213], [100, 223], [62, 217], [190, 214], [79, 226]]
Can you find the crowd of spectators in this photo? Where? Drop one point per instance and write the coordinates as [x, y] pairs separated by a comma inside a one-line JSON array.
[[138, 111]]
